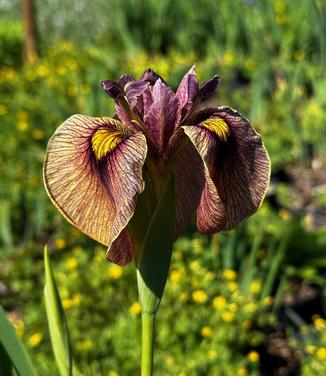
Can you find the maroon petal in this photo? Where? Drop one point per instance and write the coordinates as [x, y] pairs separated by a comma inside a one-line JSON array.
[[162, 116], [209, 87], [151, 76], [237, 170], [125, 78], [134, 90], [187, 91], [112, 88], [93, 174]]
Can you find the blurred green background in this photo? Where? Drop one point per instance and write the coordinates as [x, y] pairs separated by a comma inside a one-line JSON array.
[[248, 302]]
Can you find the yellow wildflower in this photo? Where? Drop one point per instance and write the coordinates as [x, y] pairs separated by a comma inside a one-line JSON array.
[[184, 297], [284, 214], [253, 357], [76, 298], [321, 353], [182, 374], [35, 339], [42, 70], [84, 345], [250, 307], [170, 361], [255, 287], [72, 263], [232, 307], [176, 275], [199, 296], [227, 316], [38, 134], [268, 300], [250, 64], [310, 349], [195, 266], [242, 372], [22, 126], [60, 243], [228, 58], [115, 271], [219, 302], [246, 324], [112, 373], [233, 286], [62, 70], [230, 275], [299, 55], [135, 308], [72, 91], [212, 354], [319, 323], [206, 331], [63, 292], [197, 245], [67, 303], [3, 110], [22, 115]]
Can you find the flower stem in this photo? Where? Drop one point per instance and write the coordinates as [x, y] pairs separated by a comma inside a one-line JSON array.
[[148, 328]]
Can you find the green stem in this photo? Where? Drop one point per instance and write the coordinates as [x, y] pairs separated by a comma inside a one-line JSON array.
[[148, 327]]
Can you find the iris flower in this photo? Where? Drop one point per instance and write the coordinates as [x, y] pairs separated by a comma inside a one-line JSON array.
[[97, 167]]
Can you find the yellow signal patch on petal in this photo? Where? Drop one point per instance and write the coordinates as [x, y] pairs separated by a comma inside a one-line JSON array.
[[105, 140], [217, 126]]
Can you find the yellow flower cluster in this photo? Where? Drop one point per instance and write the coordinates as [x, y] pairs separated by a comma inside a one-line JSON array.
[[206, 331], [319, 323], [199, 296], [84, 345], [35, 339], [230, 275], [115, 271], [253, 356], [69, 303], [135, 309]]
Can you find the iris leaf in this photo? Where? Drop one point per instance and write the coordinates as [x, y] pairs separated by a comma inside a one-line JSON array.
[[12, 350], [57, 321], [153, 259]]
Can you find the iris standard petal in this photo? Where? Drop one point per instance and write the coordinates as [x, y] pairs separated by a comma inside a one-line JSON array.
[[162, 116], [112, 88], [151, 76], [209, 87], [93, 174], [187, 91], [237, 164], [134, 91]]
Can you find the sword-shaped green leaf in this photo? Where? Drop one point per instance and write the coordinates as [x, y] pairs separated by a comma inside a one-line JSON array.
[[57, 321], [12, 350]]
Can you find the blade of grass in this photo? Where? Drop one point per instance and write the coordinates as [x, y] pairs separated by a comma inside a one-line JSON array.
[[14, 348]]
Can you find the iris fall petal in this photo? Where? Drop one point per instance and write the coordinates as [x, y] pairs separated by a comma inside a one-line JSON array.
[[96, 190]]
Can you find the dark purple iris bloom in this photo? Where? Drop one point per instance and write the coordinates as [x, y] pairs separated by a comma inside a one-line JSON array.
[[96, 168]]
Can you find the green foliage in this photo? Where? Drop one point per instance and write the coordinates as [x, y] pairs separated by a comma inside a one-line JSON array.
[[57, 321], [12, 352], [11, 42], [224, 291]]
